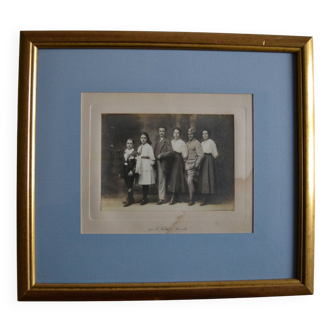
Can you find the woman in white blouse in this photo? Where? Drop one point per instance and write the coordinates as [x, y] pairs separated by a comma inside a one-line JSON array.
[[144, 165], [208, 177], [177, 182]]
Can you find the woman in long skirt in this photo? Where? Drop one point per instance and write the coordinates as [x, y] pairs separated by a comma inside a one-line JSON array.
[[144, 166], [208, 177], [177, 181]]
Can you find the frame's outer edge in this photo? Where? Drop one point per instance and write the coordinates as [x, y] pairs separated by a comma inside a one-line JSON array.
[[23, 167], [30, 41], [151, 39], [173, 291], [309, 167]]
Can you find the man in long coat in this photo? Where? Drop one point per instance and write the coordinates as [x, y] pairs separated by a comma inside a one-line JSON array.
[[163, 152]]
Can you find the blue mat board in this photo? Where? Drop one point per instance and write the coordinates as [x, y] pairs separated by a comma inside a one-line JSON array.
[[64, 255]]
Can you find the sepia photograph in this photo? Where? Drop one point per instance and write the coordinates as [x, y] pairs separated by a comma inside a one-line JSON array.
[[165, 163]]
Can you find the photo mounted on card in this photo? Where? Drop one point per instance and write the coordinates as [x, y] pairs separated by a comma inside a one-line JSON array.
[[166, 163]]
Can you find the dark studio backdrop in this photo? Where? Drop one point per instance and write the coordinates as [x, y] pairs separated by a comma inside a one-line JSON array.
[[117, 128]]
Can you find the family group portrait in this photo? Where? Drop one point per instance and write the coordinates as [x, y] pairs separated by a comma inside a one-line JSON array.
[[167, 161]]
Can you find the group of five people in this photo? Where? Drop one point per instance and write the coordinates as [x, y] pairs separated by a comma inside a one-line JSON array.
[[171, 165]]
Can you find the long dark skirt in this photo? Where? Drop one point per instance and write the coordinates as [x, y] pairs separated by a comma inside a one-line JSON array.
[[176, 180], [208, 176]]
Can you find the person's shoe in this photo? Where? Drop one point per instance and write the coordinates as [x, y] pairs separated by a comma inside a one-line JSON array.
[[161, 201], [127, 204], [144, 201], [203, 202], [172, 201], [190, 203], [130, 200]]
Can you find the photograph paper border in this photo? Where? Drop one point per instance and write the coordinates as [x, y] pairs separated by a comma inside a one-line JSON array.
[[179, 221]]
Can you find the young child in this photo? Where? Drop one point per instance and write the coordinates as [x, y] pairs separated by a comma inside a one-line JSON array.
[[128, 170], [144, 166]]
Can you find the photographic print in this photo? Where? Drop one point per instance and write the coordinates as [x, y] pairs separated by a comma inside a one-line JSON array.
[[166, 163]]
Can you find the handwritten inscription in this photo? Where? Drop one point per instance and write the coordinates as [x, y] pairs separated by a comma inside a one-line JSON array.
[[167, 229]]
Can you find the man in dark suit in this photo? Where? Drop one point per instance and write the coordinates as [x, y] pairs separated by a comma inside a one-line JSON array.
[[163, 152]]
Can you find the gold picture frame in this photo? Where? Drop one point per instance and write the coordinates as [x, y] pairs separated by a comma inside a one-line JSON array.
[[32, 42]]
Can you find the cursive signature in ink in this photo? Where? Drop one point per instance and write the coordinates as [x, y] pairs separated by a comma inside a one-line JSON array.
[[167, 229]]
